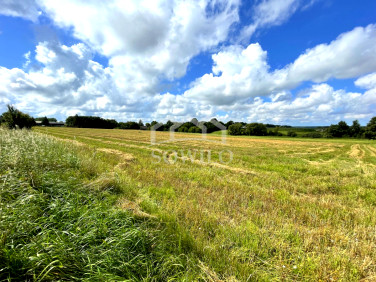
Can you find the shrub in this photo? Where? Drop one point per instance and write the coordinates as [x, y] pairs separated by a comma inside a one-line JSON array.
[[14, 118], [291, 134], [256, 129], [236, 129], [129, 125]]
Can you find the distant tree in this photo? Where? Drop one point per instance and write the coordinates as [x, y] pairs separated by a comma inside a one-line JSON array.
[[344, 129], [156, 126], [236, 129], [256, 129], [147, 125], [338, 130], [227, 124], [291, 133], [356, 130], [140, 123], [129, 125], [275, 132], [370, 132], [45, 121], [270, 125], [14, 118], [49, 119], [90, 122], [167, 125], [153, 123]]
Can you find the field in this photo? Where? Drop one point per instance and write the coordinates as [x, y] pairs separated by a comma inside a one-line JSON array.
[[246, 208]]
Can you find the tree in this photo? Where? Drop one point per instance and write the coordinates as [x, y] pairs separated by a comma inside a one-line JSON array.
[[338, 130], [256, 129], [343, 128], [236, 129], [167, 125], [14, 118], [49, 119], [129, 125], [140, 123], [356, 130], [45, 121], [227, 124], [371, 129], [90, 122]]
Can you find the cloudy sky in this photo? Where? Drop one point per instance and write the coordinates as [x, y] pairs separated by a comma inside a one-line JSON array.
[[298, 62]]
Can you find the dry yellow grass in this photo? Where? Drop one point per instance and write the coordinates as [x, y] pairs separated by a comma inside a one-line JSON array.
[[295, 209]]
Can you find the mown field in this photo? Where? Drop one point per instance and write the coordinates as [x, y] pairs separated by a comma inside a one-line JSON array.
[[296, 209]]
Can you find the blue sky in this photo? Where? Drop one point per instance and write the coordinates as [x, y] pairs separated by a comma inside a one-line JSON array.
[[298, 62]]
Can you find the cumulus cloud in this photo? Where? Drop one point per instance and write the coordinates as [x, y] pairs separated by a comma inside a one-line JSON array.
[[367, 82], [66, 77], [267, 13], [161, 36], [240, 73], [320, 104], [150, 41], [27, 9], [68, 81]]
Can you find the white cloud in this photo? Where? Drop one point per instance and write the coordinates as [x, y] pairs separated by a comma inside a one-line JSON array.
[[69, 82], [149, 41], [67, 77], [320, 105], [161, 36], [27, 9], [267, 13], [352, 54], [367, 82], [240, 73]]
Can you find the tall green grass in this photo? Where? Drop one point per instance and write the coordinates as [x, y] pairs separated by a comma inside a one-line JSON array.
[[54, 226]]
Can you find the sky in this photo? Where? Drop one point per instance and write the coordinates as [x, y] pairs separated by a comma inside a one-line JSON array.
[[296, 62]]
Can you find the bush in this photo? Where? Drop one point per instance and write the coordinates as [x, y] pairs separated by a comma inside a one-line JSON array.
[[256, 129], [14, 118], [236, 129], [291, 134], [129, 125]]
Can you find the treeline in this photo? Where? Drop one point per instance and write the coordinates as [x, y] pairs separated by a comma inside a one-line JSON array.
[[342, 129], [259, 129], [194, 126], [14, 118], [90, 122]]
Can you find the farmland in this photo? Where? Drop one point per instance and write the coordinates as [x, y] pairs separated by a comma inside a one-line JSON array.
[[255, 208]]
